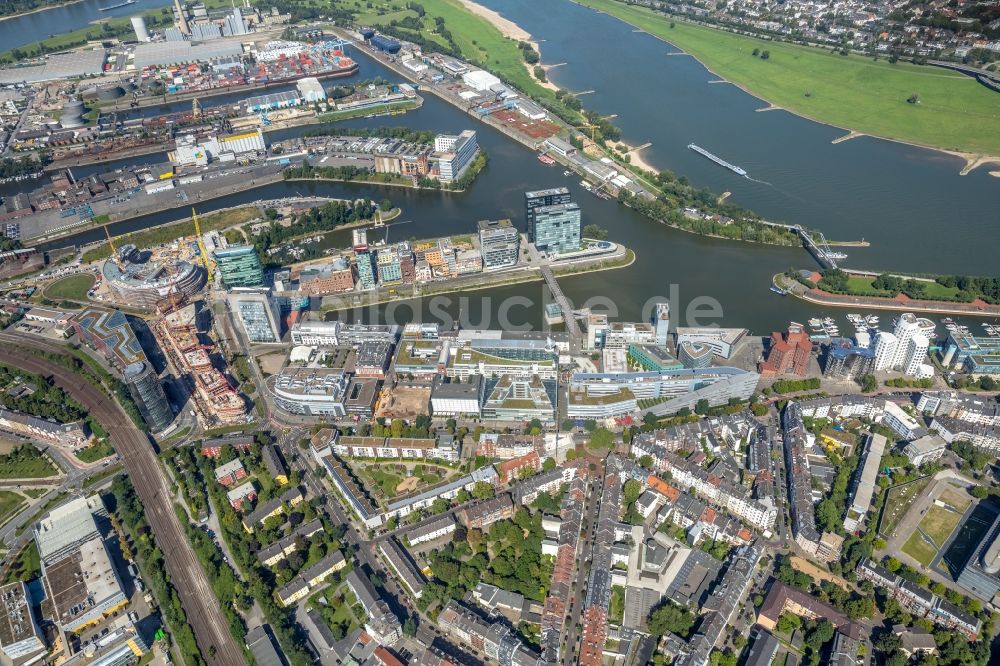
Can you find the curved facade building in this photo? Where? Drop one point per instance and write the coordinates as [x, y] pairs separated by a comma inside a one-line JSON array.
[[146, 390], [147, 284], [694, 354]]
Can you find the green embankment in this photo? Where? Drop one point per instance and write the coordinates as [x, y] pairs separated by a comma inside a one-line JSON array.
[[954, 111]]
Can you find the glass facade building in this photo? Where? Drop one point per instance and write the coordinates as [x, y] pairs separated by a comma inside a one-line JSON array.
[[145, 388], [537, 199], [239, 266], [557, 228]]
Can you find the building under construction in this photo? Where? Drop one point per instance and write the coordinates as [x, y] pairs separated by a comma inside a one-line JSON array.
[[141, 279], [191, 354]]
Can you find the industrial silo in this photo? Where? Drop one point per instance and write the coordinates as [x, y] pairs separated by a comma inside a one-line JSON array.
[[139, 25]]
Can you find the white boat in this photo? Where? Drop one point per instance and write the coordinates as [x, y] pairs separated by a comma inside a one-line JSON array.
[[815, 322]]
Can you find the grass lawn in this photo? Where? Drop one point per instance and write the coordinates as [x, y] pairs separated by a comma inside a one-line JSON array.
[[171, 232], [26, 567], [954, 112], [918, 548], [862, 286], [939, 523], [955, 499], [73, 287], [10, 503], [898, 503], [25, 462], [478, 40], [34, 493], [94, 452], [386, 482]]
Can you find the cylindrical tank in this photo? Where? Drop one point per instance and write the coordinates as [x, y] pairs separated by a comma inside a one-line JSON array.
[[72, 115], [139, 25]]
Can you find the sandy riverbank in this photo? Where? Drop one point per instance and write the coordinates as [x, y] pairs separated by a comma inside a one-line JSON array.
[[38, 10], [510, 30], [635, 155]]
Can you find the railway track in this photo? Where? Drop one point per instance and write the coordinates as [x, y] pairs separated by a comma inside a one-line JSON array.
[[203, 613]]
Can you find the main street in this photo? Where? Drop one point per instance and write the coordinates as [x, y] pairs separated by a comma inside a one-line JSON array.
[[188, 578]]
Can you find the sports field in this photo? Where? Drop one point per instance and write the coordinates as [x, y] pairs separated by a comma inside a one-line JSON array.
[[954, 111], [73, 287], [936, 526]]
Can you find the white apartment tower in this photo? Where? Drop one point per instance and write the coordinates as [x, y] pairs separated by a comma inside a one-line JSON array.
[[916, 352], [885, 350], [906, 328]]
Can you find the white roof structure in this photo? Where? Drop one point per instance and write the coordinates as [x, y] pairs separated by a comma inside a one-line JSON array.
[[67, 526], [176, 53], [480, 80]]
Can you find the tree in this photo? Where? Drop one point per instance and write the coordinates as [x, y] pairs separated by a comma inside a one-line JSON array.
[[787, 623], [702, 406], [669, 617], [892, 564], [646, 461], [410, 627], [913, 99], [869, 384], [549, 464], [483, 490], [631, 491], [979, 492], [765, 55]]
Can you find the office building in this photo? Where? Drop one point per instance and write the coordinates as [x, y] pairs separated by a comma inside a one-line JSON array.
[[520, 399], [661, 322], [600, 395], [258, 316], [21, 639], [312, 391], [458, 397], [500, 244], [455, 154], [239, 266], [147, 391], [653, 358], [975, 355], [32, 427], [332, 278], [885, 350], [788, 353], [845, 359], [916, 353], [364, 259], [722, 341], [539, 198], [906, 328], [864, 488], [337, 334], [925, 449], [556, 228]]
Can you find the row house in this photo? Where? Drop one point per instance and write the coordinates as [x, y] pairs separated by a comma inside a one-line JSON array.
[[212, 448], [285, 546], [919, 601], [494, 445], [525, 492], [510, 470]]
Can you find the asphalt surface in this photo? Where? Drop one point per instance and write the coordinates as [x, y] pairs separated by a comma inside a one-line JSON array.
[[188, 578]]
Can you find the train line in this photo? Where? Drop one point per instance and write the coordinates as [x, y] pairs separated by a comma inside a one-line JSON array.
[[211, 629]]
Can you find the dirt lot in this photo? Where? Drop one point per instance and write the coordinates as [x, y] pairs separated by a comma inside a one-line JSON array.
[[404, 402]]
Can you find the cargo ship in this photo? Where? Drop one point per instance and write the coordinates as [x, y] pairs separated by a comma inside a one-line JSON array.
[[739, 171], [120, 4]]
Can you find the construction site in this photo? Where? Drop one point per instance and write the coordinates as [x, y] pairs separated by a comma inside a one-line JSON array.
[[193, 356]]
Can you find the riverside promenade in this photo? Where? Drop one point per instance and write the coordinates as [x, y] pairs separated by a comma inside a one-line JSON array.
[[901, 302]]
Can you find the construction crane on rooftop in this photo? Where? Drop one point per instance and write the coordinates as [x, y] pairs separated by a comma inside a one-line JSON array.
[[201, 244]]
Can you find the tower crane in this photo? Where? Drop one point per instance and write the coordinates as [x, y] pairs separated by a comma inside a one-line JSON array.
[[201, 244], [111, 242]]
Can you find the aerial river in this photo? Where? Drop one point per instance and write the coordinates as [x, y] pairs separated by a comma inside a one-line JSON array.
[[27, 28], [910, 203]]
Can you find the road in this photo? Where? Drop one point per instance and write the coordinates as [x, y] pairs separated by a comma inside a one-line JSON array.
[[197, 598]]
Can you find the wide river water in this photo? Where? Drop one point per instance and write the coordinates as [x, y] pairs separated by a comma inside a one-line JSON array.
[[27, 28], [919, 214]]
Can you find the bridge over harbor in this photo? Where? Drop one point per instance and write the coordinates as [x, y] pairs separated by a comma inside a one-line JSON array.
[[572, 325]]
